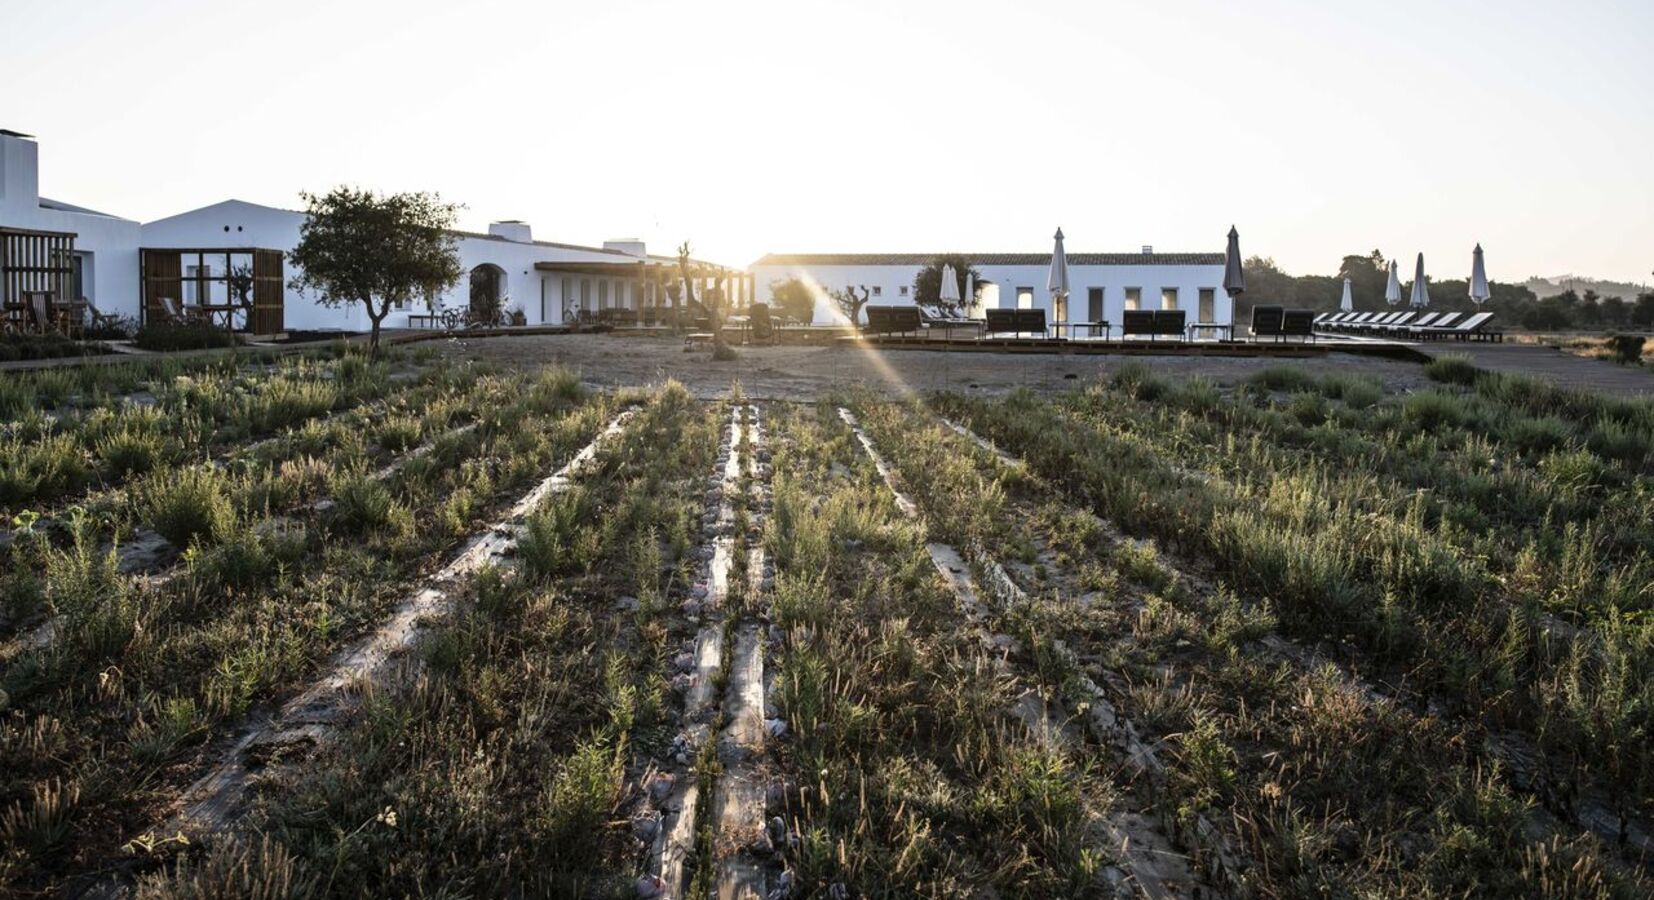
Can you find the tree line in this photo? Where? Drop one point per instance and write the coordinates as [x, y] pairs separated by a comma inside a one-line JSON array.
[[1516, 304]]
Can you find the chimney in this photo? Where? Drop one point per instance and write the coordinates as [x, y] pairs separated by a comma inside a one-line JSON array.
[[512, 230], [628, 246], [19, 170]]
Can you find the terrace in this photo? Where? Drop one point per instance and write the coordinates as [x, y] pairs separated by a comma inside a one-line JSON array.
[[39, 282], [233, 289]]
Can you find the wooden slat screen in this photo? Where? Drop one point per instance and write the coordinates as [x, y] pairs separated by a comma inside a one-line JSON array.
[[163, 277], [268, 292], [32, 261]]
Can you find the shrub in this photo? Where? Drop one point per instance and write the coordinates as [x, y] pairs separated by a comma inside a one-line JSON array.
[[398, 433], [1454, 369], [361, 503], [1284, 378], [49, 346], [113, 328], [1627, 348], [172, 338], [130, 451], [187, 505]]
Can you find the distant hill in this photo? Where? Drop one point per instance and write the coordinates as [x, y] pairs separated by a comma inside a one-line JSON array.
[[1549, 287]]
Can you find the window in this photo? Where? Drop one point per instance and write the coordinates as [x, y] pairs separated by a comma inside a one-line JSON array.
[[585, 293], [903, 292], [1134, 298], [79, 287], [1208, 305], [1168, 298], [1094, 304], [603, 294], [567, 296], [1025, 298], [878, 291]]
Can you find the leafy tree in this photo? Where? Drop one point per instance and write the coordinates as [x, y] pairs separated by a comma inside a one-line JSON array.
[[379, 250], [793, 298], [1368, 275], [850, 303], [1642, 314], [927, 286]]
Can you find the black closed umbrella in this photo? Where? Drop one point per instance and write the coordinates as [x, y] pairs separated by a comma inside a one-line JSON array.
[[1234, 279]]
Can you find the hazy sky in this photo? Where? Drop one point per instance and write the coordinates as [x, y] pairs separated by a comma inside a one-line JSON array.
[[1319, 128]]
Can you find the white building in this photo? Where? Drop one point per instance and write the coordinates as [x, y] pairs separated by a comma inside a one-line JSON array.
[[212, 255], [1101, 285], [65, 250], [190, 256]]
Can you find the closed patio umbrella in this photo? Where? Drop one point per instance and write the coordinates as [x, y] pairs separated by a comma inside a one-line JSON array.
[[1347, 303], [1421, 293], [1392, 285], [1479, 290], [949, 292], [1234, 278], [1057, 281]]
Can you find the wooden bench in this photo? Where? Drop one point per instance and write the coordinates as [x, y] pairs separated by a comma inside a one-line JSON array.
[[1281, 323], [892, 320], [1016, 321], [1152, 323]]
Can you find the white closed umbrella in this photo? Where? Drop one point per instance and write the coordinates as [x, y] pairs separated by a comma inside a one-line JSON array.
[[1421, 294], [1479, 290], [949, 292], [1057, 281], [1392, 285], [969, 300], [1347, 303]]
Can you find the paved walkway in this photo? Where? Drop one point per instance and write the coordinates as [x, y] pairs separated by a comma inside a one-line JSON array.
[[1555, 365]]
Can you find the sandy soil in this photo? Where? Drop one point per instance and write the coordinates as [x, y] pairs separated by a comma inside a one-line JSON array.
[[804, 373]]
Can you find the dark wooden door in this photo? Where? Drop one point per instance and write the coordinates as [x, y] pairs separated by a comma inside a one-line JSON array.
[[268, 293]]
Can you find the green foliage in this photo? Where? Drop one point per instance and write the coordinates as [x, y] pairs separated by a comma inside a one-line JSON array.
[[188, 505], [927, 286], [377, 250], [1627, 348], [793, 299], [169, 338]]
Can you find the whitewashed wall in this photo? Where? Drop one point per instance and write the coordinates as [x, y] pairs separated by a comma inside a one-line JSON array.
[[235, 223], [1113, 279], [110, 244]]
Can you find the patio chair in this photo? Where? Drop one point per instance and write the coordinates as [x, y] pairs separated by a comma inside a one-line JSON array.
[[180, 316], [42, 319]]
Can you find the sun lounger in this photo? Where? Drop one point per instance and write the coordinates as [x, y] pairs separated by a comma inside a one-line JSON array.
[[1473, 327], [1420, 328]]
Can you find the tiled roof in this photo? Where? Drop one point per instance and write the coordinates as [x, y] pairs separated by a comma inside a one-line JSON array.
[[991, 259]]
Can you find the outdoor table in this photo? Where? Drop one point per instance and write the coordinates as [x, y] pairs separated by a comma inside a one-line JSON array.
[[430, 320], [1228, 331], [226, 309], [1092, 327]]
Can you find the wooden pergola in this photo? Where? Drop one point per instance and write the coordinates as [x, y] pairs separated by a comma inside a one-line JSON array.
[[649, 280], [32, 264]]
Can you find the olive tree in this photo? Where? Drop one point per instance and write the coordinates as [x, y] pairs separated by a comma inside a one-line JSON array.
[[379, 250]]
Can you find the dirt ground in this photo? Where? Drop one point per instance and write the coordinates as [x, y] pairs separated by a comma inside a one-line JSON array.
[[806, 372]]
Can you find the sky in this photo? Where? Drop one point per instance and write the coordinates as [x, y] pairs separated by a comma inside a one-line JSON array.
[[1319, 129]]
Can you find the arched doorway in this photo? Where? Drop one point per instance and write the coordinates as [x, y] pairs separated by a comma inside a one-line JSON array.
[[487, 292]]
